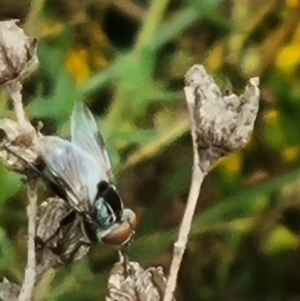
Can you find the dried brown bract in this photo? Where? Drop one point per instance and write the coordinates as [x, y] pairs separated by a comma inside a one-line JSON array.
[[19, 147], [59, 238], [17, 53], [18, 59], [221, 124], [55, 237], [9, 291], [136, 283]]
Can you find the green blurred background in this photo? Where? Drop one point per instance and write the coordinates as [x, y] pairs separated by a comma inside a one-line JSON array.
[[126, 59]]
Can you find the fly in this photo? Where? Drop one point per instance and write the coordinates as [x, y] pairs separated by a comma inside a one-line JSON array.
[[82, 167]]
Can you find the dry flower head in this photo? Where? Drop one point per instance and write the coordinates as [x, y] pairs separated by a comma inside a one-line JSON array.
[[221, 124], [17, 53], [136, 284]]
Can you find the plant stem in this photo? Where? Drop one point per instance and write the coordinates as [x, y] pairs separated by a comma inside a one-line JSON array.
[[26, 293], [185, 227]]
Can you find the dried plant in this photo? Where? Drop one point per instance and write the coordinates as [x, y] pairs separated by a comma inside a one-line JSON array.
[[9, 291], [17, 53], [59, 239], [136, 283], [54, 238], [220, 125]]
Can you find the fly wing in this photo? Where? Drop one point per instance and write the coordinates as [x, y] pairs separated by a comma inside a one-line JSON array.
[[87, 136], [73, 168]]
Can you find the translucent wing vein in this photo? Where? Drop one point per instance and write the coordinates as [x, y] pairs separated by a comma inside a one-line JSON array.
[[86, 135], [74, 167]]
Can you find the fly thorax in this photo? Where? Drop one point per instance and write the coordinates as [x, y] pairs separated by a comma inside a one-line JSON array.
[[103, 213], [107, 206], [110, 195]]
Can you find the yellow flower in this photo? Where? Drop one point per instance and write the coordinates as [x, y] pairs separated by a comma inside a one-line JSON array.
[[289, 58], [232, 164], [272, 117], [291, 154], [77, 65]]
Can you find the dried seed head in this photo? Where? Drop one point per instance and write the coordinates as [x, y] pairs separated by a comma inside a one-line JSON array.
[[19, 145], [17, 53], [18, 149], [136, 283], [49, 216], [221, 124], [9, 291], [59, 238]]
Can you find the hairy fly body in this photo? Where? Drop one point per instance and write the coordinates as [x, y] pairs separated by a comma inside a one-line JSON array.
[[82, 168]]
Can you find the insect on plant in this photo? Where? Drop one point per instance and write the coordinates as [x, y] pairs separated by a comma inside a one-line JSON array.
[[82, 168]]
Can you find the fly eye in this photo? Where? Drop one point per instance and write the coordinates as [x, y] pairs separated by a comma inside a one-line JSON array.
[[119, 235]]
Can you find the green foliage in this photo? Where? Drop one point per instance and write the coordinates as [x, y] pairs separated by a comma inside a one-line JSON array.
[[244, 242]]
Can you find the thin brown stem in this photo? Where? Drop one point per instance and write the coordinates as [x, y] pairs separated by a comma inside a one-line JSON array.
[[185, 227], [14, 91], [26, 293]]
